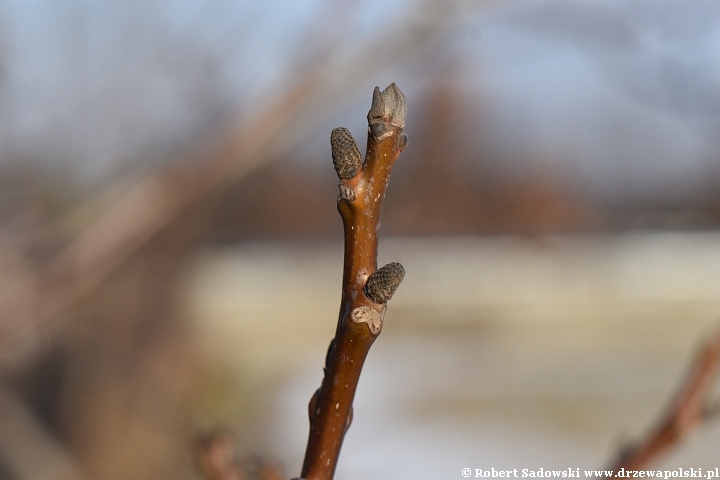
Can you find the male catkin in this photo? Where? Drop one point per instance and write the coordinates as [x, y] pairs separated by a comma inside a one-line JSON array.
[[381, 285], [345, 153]]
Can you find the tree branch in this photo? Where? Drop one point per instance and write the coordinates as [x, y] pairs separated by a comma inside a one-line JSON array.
[[365, 289], [688, 410]]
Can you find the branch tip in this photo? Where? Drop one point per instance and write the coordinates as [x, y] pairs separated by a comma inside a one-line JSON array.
[[388, 111], [364, 297]]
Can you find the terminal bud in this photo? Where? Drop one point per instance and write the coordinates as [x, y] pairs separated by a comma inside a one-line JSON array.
[[388, 112]]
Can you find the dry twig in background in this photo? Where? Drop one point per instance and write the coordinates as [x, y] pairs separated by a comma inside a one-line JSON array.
[[148, 208], [689, 409], [365, 288], [216, 460], [215, 457], [226, 153]]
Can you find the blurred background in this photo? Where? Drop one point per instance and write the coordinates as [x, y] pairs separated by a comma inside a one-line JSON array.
[[171, 254]]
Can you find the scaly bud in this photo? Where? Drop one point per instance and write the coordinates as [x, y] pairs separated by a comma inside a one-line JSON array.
[[388, 111], [345, 153], [402, 144], [381, 285]]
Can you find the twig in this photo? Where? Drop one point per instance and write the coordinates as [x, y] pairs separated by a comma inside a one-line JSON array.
[[688, 410], [30, 303], [216, 460], [215, 457], [225, 154], [365, 289]]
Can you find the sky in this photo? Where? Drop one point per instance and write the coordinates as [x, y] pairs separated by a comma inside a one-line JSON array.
[[622, 94], [630, 91]]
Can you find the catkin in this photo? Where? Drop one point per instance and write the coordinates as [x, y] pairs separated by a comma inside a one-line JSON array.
[[345, 153], [381, 285]]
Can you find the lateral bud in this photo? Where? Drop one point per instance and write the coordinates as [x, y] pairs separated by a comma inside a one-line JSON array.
[[388, 112], [402, 143], [381, 285], [345, 153]]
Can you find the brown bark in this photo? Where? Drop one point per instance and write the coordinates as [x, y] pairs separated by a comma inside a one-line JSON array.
[[360, 320], [687, 411]]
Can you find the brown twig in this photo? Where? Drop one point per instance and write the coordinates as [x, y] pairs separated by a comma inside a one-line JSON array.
[[688, 410], [216, 459], [29, 304], [227, 152], [365, 289]]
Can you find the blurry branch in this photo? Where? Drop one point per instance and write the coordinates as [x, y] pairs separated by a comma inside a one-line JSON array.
[[31, 452], [688, 410], [216, 459], [365, 289], [145, 210], [160, 197]]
